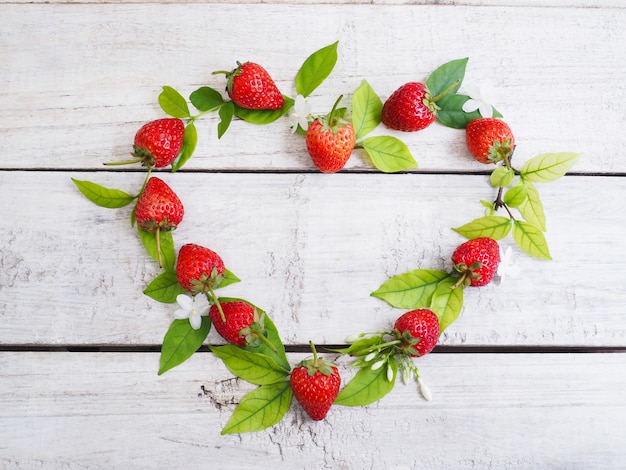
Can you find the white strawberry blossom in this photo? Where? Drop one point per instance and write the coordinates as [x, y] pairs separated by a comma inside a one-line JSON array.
[[193, 308], [299, 114], [480, 98], [507, 266]]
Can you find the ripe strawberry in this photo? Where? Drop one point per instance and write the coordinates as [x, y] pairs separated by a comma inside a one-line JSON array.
[[476, 261], [158, 210], [489, 140], [250, 86], [315, 384], [158, 143], [330, 141], [199, 269], [410, 108], [418, 330]]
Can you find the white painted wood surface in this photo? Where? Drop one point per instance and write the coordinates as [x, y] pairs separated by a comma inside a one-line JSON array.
[[76, 81]]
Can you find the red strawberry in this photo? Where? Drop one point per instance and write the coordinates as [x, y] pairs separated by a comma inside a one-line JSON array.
[[158, 209], [158, 143], [418, 330], [410, 108], [489, 140], [315, 384], [250, 86], [199, 269], [476, 261], [330, 141]]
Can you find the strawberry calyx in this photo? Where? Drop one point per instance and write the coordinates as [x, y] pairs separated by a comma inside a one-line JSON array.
[[230, 75], [466, 274], [206, 285], [333, 121], [501, 151], [431, 102], [316, 364], [255, 333], [406, 343]]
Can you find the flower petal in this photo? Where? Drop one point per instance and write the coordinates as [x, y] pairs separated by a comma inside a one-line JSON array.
[[471, 105], [485, 109], [474, 91], [181, 314], [195, 321], [184, 301]]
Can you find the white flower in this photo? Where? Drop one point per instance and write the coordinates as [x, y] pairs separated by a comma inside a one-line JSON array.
[[390, 373], [299, 114], [479, 99], [424, 389], [193, 308], [507, 266]]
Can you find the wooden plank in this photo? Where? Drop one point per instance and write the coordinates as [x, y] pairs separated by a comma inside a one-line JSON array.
[[309, 249], [84, 410], [77, 101]]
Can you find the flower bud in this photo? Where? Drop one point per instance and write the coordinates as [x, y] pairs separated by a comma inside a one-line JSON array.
[[424, 389], [370, 356], [378, 365]]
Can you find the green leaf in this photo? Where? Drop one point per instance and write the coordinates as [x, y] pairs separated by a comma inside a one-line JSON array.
[[168, 253], [410, 290], [501, 177], [252, 367], [366, 110], [360, 347], [492, 226], [368, 386], [173, 103], [260, 408], [447, 303], [389, 154], [206, 99], [532, 207], [103, 197], [516, 196], [190, 140], [489, 210], [445, 76], [164, 288], [315, 69], [263, 116], [531, 240], [548, 166], [180, 342], [226, 113], [452, 115], [229, 278]]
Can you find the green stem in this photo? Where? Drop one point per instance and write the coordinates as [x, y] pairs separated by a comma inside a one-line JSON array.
[[332, 112], [267, 342], [125, 162], [314, 353], [217, 302], [158, 246], [445, 92]]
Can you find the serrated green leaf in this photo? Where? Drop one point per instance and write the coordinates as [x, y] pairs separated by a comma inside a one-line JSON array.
[[168, 253], [531, 240], [366, 110], [532, 207], [548, 166], [360, 347], [389, 154], [452, 115], [315, 69], [180, 342], [260, 408], [206, 99], [164, 288], [445, 76], [190, 140], [173, 103], [447, 303], [255, 368], [410, 290], [226, 113], [501, 177], [516, 195], [368, 386], [492, 226], [103, 197]]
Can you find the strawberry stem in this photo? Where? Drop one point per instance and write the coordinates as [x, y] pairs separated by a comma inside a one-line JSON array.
[[125, 162], [217, 302], [314, 353], [331, 117], [445, 92], [158, 245], [266, 341]]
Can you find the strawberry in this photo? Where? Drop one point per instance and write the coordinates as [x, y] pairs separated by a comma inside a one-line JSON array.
[[158, 210], [476, 261], [489, 140], [242, 324], [418, 331], [330, 141], [315, 384], [410, 108], [250, 86], [199, 269], [158, 143]]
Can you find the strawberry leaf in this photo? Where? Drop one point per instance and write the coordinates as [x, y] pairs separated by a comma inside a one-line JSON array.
[[255, 368], [516, 196], [164, 288], [389, 154], [168, 253], [492, 226], [366, 110], [260, 408], [361, 347], [229, 278], [548, 167], [452, 115], [226, 113], [410, 290], [531, 240], [315, 69], [173, 103], [368, 385], [103, 197], [501, 177], [180, 342], [190, 140], [447, 303], [444, 78], [206, 99], [532, 207], [263, 116]]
